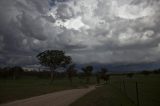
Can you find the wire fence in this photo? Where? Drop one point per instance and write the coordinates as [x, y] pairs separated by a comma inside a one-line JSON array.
[[139, 92]]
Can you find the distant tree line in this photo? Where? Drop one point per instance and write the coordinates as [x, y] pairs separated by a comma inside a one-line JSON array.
[[147, 72], [11, 72], [18, 72], [54, 59]]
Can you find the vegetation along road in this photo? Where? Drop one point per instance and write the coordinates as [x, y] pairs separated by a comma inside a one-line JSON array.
[[61, 98]]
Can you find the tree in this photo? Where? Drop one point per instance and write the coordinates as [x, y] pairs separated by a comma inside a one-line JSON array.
[[130, 75], [88, 72], [7, 72], [16, 72], [54, 59], [104, 75], [71, 71], [98, 77], [145, 72]]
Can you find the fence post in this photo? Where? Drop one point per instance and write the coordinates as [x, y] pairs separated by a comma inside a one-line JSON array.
[[124, 86], [137, 92]]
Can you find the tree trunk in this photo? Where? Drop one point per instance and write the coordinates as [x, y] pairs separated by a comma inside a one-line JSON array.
[[52, 74], [98, 80], [14, 75], [88, 79], [70, 79]]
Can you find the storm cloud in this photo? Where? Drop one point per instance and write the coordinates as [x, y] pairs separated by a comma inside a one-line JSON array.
[[103, 31]]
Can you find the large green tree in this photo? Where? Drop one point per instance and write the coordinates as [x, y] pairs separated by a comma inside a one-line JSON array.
[[54, 59]]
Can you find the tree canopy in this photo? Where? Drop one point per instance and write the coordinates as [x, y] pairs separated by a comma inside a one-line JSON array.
[[54, 58]]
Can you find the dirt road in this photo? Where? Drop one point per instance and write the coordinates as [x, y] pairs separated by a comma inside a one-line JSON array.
[[61, 98]]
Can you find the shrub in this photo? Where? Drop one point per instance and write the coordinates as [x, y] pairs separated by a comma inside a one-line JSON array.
[[130, 75], [145, 72]]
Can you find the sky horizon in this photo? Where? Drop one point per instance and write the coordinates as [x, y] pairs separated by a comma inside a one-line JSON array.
[[90, 31]]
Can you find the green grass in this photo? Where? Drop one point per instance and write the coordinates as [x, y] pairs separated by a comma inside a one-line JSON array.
[[11, 90], [148, 87], [114, 94], [104, 96]]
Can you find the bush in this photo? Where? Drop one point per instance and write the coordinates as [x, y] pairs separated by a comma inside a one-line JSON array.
[[130, 75], [145, 72], [156, 71]]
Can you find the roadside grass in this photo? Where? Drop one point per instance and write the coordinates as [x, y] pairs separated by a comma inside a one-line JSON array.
[[104, 96], [11, 90], [121, 91], [148, 88]]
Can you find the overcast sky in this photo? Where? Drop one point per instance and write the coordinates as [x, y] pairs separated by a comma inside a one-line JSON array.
[[103, 31]]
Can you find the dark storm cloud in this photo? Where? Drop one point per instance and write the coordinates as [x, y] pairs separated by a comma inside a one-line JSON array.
[[103, 31], [18, 30]]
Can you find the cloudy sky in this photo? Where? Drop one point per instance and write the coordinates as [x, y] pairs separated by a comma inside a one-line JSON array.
[[103, 31]]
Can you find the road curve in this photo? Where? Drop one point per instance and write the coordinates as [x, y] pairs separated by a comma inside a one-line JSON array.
[[61, 98]]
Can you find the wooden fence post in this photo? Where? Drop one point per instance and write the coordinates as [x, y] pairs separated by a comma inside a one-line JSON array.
[[137, 92]]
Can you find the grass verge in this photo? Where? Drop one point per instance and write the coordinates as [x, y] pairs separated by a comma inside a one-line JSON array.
[[11, 90], [104, 96], [121, 91]]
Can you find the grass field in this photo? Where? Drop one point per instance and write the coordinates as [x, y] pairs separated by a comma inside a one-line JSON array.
[[11, 90], [121, 91]]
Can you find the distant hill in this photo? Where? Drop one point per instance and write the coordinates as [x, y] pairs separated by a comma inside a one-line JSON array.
[[112, 68], [122, 68]]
